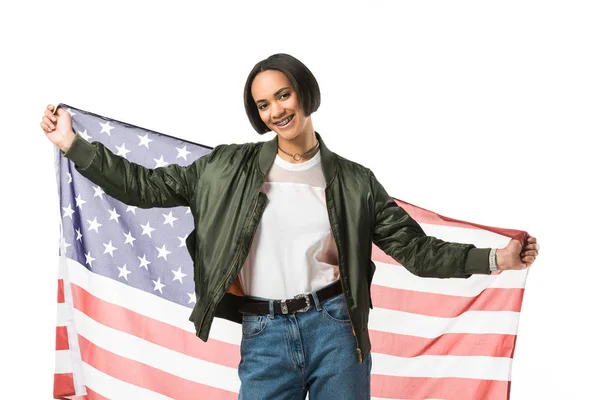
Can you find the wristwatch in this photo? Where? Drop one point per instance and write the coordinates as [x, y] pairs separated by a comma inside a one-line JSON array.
[[493, 264]]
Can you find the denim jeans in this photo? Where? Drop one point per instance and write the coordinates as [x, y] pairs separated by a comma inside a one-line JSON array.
[[284, 357]]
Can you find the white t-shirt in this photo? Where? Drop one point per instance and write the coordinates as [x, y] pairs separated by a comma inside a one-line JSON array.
[[293, 249]]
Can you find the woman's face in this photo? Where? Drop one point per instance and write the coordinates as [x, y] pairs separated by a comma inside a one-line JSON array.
[[278, 105]]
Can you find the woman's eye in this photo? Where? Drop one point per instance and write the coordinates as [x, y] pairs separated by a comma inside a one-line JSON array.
[[284, 95], [262, 106]]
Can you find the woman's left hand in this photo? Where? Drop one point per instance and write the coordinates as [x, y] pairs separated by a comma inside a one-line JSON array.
[[514, 256]]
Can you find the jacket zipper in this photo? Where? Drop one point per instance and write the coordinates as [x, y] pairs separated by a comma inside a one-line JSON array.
[[337, 243], [237, 255]]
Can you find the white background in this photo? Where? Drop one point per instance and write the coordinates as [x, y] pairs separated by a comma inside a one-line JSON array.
[[482, 111]]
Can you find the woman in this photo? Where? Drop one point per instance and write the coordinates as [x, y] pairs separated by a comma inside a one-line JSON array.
[[283, 236]]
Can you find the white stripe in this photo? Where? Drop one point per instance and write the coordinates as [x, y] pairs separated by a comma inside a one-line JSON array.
[[112, 388], [69, 319], [62, 361], [475, 236], [472, 367], [134, 348], [62, 270], [63, 316], [398, 277], [148, 304], [399, 322]]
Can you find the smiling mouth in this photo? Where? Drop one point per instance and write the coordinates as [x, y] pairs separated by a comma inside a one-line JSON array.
[[285, 122]]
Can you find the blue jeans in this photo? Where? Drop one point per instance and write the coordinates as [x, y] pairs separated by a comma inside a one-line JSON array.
[[283, 357]]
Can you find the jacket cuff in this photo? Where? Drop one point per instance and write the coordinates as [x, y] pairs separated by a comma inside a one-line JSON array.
[[81, 152], [478, 261]]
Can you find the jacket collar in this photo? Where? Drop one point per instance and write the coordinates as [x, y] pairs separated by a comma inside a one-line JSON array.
[[268, 152]]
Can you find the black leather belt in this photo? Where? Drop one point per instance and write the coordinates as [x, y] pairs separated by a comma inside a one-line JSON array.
[[300, 303]]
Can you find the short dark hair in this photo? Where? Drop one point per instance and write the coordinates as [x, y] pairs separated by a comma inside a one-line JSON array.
[[303, 81]]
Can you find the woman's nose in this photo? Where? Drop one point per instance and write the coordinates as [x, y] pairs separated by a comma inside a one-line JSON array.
[[276, 110]]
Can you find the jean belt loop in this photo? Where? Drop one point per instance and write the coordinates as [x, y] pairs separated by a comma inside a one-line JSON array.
[[316, 299], [271, 309]]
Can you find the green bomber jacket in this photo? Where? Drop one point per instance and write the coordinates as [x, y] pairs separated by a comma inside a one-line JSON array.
[[222, 190]]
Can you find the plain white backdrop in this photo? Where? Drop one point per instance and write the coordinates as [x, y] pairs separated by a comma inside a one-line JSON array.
[[482, 111]]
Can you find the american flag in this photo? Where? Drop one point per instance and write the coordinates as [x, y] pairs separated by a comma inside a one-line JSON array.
[[125, 292]]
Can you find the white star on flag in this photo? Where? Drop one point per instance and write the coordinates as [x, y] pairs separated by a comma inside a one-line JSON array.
[[163, 252], [131, 209], [63, 245], [129, 238], [106, 128], [108, 248], [192, 297], [181, 241], [98, 191], [145, 141], [143, 262], [89, 258], [169, 218], [68, 211], [147, 229], [182, 152], [84, 135], [122, 151], [178, 275], [94, 224], [158, 286], [160, 162], [79, 201], [114, 215], [123, 272]]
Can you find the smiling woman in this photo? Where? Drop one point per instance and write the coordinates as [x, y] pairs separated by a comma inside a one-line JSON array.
[[283, 238], [280, 110], [280, 95]]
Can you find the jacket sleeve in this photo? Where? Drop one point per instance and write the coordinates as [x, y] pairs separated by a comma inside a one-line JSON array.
[[131, 183], [402, 238]]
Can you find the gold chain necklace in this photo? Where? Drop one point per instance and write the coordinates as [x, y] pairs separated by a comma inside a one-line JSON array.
[[298, 156]]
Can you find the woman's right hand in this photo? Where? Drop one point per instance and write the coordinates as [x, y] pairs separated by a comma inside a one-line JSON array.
[[58, 127]]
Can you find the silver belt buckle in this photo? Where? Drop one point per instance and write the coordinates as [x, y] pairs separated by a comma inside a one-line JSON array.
[[284, 309], [305, 295]]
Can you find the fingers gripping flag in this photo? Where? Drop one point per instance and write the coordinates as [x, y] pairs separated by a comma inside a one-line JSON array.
[[125, 292]]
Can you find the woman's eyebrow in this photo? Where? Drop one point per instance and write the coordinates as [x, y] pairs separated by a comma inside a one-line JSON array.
[[277, 93]]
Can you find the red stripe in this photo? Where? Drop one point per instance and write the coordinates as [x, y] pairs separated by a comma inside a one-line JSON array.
[[438, 388], [62, 338], [454, 344], [446, 306], [61, 291], [378, 255], [63, 385], [148, 377], [154, 331], [91, 395]]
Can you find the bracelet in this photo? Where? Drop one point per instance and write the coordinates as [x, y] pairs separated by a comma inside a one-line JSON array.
[[493, 264]]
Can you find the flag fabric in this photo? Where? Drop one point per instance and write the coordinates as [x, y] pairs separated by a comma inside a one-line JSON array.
[[125, 292]]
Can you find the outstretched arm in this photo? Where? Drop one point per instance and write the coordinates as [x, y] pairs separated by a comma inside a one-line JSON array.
[[126, 181], [403, 239]]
